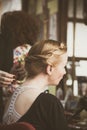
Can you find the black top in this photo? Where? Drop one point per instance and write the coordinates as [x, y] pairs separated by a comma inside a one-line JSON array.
[[46, 113]]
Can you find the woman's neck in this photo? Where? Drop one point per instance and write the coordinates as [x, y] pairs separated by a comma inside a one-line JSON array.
[[39, 82]]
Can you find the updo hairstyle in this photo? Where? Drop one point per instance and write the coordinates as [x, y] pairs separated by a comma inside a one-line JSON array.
[[41, 54]]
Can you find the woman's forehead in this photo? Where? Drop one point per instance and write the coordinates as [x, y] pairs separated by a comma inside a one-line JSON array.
[[63, 58]]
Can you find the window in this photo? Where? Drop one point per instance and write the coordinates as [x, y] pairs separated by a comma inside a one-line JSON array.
[[77, 42]]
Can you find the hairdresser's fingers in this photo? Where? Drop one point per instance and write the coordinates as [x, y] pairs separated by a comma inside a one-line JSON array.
[[5, 74]]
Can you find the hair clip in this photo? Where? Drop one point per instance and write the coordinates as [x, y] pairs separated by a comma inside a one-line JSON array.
[[62, 45]]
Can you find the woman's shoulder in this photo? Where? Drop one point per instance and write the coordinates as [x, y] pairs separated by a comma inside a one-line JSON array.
[[48, 98]]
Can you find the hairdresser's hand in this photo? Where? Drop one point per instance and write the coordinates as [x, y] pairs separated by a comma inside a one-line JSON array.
[[6, 78], [19, 71]]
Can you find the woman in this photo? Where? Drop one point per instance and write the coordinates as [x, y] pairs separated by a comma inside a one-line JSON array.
[[45, 65]]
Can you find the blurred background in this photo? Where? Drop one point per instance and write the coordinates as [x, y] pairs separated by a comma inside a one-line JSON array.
[[65, 21]]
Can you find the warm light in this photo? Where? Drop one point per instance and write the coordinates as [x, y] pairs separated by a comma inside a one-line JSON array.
[[69, 82], [75, 88]]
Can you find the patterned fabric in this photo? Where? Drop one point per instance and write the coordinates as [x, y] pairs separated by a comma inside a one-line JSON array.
[[20, 53], [11, 115]]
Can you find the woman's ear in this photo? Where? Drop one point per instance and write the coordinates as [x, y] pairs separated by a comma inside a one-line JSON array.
[[49, 69]]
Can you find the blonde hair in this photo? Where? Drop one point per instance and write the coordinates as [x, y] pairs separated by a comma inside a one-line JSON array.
[[41, 54]]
